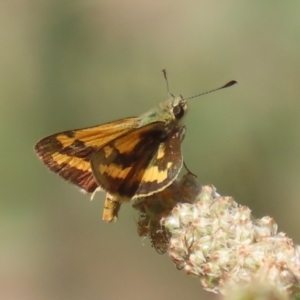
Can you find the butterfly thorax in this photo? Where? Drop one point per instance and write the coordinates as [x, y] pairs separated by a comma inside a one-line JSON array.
[[171, 112]]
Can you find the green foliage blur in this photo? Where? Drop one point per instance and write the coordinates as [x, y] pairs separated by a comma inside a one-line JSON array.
[[71, 64]]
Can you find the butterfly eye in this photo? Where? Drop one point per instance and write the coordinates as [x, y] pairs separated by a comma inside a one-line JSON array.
[[178, 111]]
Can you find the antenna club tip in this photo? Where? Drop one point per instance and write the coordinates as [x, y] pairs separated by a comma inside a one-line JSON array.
[[232, 82], [228, 84]]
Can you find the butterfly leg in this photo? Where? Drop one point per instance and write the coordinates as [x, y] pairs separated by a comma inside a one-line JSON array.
[[182, 135], [111, 208], [185, 166]]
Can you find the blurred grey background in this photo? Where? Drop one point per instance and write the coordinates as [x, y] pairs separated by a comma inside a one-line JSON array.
[[71, 64]]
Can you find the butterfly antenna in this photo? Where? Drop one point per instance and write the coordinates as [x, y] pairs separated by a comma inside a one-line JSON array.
[[167, 82], [228, 84]]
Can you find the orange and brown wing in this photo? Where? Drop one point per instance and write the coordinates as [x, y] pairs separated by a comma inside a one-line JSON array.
[[138, 163], [164, 166], [69, 153]]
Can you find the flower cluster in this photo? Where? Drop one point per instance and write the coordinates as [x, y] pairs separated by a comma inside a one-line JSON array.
[[218, 240]]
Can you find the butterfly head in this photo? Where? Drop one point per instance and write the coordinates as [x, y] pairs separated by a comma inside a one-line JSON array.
[[171, 112], [177, 107]]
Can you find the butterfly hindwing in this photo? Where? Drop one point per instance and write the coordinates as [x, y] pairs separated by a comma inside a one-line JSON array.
[[69, 153], [164, 166], [138, 163]]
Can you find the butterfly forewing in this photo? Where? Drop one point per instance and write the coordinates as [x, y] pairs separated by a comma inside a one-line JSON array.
[[139, 162], [69, 153]]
